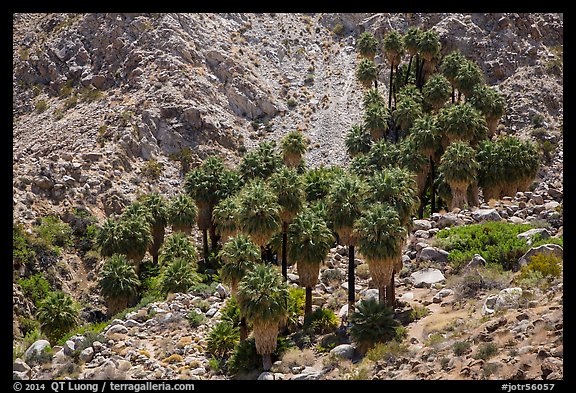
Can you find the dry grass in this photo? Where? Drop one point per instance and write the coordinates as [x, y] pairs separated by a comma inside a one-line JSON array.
[[296, 358]]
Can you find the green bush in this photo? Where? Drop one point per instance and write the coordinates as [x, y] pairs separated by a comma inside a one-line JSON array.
[[321, 321], [372, 322], [418, 312], [231, 312], [485, 351], [549, 265], [35, 288], [222, 339], [296, 302], [245, 359], [22, 252], [496, 242], [54, 231], [461, 347], [41, 106], [388, 352], [152, 169], [196, 319]]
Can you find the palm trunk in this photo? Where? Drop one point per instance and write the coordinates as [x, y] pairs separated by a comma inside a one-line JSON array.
[[351, 280], [390, 91], [214, 237], [433, 187], [382, 294], [408, 71], [243, 329], [284, 253], [459, 96], [453, 95], [420, 75], [308, 306], [394, 85], [391, 292], [158, 239], [266, 362], [205, 244]]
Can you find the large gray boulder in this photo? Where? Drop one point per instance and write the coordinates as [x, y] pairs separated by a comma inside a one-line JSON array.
[[505, 299], [548, 249], [529, 234], [433, 254], [345, 351], [427, 277], [36, 348], [483, 215], [448, 220]]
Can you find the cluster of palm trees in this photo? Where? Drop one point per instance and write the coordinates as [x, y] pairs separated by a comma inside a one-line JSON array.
[[440, 136]]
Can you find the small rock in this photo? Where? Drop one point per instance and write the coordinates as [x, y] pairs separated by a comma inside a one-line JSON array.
[[86, 355], [477, 261], [266, 376]]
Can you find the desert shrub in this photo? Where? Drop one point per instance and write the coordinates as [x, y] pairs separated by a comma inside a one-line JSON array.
[[195, 319], [296, 301], [231, 312], [485, 351], [41, 106], [54, 231], [389, 351], [461, 347], [152, 169], [222, 339], [496, 242], [35, 288], [321, 321], [418, 312], [22, 251], [468, 284], [549, 265], [295, 357]]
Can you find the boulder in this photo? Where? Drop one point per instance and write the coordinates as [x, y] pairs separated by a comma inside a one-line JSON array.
[[36, 348], [441, 295], [423, 225], [477, 261], [433, 254], [266, 376], [529, 234], [427, 277], [482, 215], [505, 299], [448, 220], [345, 351], [21, 367], [86, 355], [222, 291], [549, 249]]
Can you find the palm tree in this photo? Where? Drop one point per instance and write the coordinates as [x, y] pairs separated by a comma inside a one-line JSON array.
[[469, 76], [367, 45], [345, 204], [259, 212], [294, 145], [450, 66], [372, 96], [380, 238], [459, 168], [429, 49], [262, 296], [287, 185], [462, 123], [436, 91], [208, 184], [310, 242], [412, 159], [372, 323], [367, 73], [118, 283], [57, 315], [108, 238], [178, 276], [317, 181], [490, 103], [182, 213], [240, 255], [521, 164], [376, 119], [411, 38], [491, 173], [135, 237], [158, 208], [225, 217], [260, 162], [394, 50], [383, 154], [358, 141], [407, 111], [178, 246]]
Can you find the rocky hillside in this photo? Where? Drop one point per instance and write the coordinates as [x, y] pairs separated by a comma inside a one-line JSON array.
[[104, 104]]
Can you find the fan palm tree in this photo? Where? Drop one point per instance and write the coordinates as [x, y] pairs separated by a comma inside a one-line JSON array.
[[345, 204], [491, 175], [294, 145], [367, 45], [358, 141], [135, 237], [225, 217], [57, 315], [393, 44], [521, 164], [413, 160], [108, 238], [367, 73], [208, 184], [372, 323], [310, 242], [264, 160], [182, 213], [450, 66], [490, 103], [380, 238], [372, 96], [436, 91], [383, 154], [118, 283], [459, 168], [258, 212], [407, 111], [262, 296], [287, 185], [429, 49], [178, 276], [376, 119], [462, 123], [468, 77], [411, 39], [178, 246], [239, 255], [158, 208], [317, 181]]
